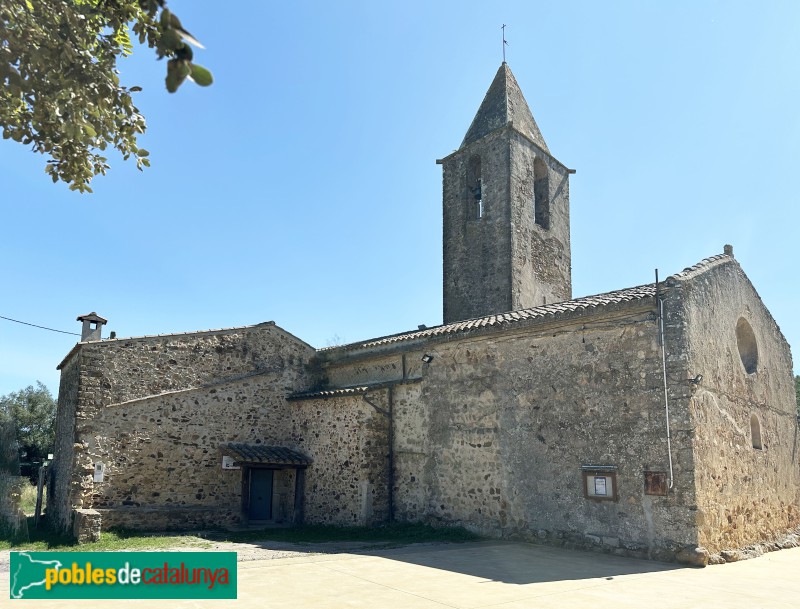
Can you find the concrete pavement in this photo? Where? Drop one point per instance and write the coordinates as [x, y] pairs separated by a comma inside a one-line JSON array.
[[502, 575]]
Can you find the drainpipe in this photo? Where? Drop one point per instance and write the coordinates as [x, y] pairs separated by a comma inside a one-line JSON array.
[[660, 301], [390, 473]]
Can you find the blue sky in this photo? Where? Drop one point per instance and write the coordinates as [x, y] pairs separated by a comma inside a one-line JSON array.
[[302, 186]]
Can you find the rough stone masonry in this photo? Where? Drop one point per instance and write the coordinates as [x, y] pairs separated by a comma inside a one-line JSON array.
[[656, 421]]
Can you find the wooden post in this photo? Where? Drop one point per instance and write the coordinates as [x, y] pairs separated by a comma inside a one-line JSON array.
[[39, 488]]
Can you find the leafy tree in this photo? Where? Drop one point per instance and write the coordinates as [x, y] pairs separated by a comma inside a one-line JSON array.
[[31, 412], [9, 453], [60, 90]]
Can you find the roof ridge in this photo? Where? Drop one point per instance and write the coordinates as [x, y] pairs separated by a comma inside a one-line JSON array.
[[639, 292], [703, 265], [188, 333], [593, 301], [122, 339]]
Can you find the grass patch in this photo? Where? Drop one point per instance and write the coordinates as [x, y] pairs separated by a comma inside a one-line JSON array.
[[43, 539], [121, 540], [37, 539], [28, 498], [398, 533]]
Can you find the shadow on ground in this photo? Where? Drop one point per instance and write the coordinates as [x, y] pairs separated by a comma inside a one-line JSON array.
[[521, 563]]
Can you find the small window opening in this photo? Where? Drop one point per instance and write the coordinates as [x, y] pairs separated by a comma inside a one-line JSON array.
[[478, 195], [746, 342], [541, 194], [755, 432], [474, 189]]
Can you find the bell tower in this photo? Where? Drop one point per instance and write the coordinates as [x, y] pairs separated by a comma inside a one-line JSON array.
[[505, 212]]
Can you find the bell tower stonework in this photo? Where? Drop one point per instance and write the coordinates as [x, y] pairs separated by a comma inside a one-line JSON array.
[[506, 212]]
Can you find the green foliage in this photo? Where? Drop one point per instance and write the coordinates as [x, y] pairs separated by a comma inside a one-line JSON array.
[[60, 90], [32, 413], [44, 539], [28, 492], [395, 534], [201, 76], [9, 451]]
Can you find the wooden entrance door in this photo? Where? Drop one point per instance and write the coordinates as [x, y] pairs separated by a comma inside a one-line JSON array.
[[260, 504]]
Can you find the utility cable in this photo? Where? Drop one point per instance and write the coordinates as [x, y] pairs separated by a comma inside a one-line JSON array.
[[41, 327]]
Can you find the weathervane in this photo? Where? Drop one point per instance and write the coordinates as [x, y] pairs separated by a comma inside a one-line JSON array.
[[505, 42]]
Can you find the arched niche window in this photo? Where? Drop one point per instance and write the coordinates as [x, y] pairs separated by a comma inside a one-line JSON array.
[[474, 189], [746, 342], [755, 432], [541, 194]]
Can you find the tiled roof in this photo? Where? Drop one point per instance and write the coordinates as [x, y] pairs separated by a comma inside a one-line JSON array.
[[330, 393], [266, 455], [551, 311], [512, 317], [701, 266]]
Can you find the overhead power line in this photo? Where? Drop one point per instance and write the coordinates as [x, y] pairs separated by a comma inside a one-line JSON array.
[[41, 327]]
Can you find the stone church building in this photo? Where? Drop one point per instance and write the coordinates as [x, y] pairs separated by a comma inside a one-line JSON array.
[[646, 421]]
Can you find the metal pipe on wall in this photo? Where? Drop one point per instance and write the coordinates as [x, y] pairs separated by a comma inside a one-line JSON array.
[[660, 302]]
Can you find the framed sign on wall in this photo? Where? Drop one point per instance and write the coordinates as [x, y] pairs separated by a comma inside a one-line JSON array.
[[600, 482]]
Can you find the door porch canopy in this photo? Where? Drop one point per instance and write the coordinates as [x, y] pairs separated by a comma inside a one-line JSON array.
[[259, 454]]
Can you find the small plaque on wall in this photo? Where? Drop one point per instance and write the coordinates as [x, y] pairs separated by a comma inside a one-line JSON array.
[[600, 486], [655, 483], [600, 482], [229, 463], [99, 471]]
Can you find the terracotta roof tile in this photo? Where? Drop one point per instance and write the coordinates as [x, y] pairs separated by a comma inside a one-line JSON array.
[[329, 393], [552, 311], [266, 455], [512, 317], [703, 265]]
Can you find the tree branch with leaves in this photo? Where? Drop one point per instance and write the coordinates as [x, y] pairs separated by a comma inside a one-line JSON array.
[[60, 90], [31, 413]]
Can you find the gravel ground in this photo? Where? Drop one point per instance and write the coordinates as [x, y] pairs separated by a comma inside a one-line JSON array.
[[256, 550]]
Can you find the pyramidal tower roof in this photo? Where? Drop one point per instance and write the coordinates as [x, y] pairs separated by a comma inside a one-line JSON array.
[[503, 104]]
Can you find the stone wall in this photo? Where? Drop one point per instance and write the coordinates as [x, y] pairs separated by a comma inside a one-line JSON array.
[[745, 495], [171, 519], [156, 412], [477, 265], [494, 436], [541, 256], [343, 372], [347, 439], [167, 450], [60, 487], [503, 261], [86, 525], [134, 368]]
